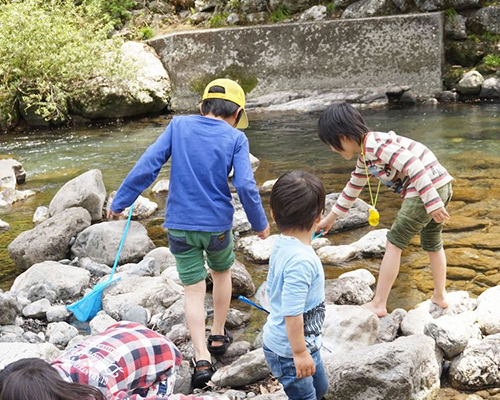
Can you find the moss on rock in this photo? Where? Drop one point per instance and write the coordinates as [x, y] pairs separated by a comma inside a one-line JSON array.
[[239, 74]]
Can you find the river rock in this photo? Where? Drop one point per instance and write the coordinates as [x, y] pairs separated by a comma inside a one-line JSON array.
[[372, 244], [237, 319], [415, 321], [241, 280], [356, 217], [86, 190], [370, 8], [100, 323], [488, 312], [240, 219], [452, 332], [362, 275], [133, 313], [57, 314], [173, 274], [146, 91], [9, 308], [179, 334], [10, 196], [67, 281], [408, 368], [490, 88], [235, 351], [429, 5], [404, 6], [471, 83], [454, 27], [147, 267], [348, 290], [164, 258], [183, 378], [347, 328], [100, 242], [260, 250], [486, 19], [478, 367], [267, 186], [10, 353], [143, 207], [37, 309], [458, 302], [94, 268], [41, 291], [41, 214], [60, 333], [315, 13], [4, 226], [172, 316], [390, 325], [161, 186], [11, 173], [249, 368], [50, 239], [337, 254]]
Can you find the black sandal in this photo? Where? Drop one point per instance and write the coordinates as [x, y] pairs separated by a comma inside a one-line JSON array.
[[201, 377], [226, 340]]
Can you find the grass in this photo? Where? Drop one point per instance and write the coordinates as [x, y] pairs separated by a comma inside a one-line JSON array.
[[492, 61], [280, 14]]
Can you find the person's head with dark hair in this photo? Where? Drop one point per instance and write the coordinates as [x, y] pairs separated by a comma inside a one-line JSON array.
[[33, 378], [340, 125], [297, 201], [225, 99]]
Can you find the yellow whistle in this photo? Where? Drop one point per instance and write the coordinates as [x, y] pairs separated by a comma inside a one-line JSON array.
[[374, 217]]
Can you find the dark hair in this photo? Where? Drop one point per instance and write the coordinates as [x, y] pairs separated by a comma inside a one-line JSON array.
[[341, 121], [220, 107], [297, 199], [33, 378]]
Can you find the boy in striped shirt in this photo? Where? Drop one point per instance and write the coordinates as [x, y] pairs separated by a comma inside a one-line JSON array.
[[406, 167]]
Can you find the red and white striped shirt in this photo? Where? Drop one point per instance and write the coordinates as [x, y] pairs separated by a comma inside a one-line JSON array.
[[405, 166]]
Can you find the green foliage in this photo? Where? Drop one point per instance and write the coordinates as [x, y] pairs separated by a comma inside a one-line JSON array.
[[280, 14], [330, 8], [217, 20], [492, 61], [247, 81], [48, 50], [117, 11], [490, 37], [145, 33], [451, 13]]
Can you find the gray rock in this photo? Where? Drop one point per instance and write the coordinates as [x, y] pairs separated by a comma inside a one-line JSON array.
[[241, 280], [430, 5], [32, 337], [471, 83], [233, 19], [370, 8], [235, 351], [237, 319], [86, 191], [248, 369], [75, 341], [179, 334], [4, 226], [486, 19], [447, 96], [315, 13], [164, 258], [183, 378], [161, 186], [10, 353], [408, 99], [11, 173], [94, 268], [41, 214], [260, 250], [173, 316], [147, 267], [389, 326], [10, 196], [337, 254], [67, 281], [37, 309], [408, 368], [58, 314], [143, 207], [133, 313], [161, 7], [50, 239], [204, 5], [356, 217], [458, 302], [454, 27], [404, 5], [173, 274], [9, 309], [415, 321], [348, 290], [320, 242], [148, 91], [250, 6], [60, 333], [463, 4], [100, 242], [100, 323], [478, 367], [490, 88], [41, 291], [488, 312], [292, 5], [267, 186], [257, 17], [361, 274], [11, 330], [199, 17], [240, 220]]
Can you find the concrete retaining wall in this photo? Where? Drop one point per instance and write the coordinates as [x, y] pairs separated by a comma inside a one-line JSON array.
[[304, 57]]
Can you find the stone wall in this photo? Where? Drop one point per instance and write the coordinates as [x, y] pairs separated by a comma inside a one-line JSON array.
[[304, 57]]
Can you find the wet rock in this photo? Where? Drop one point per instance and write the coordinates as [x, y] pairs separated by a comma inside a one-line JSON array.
[[50, 239], [94, 268], [163, 256], [478, 367], [482, 260], [60, 333], [370, 8], [67, 281], [37, 309], [4, 226], [479, 240], [10, 353], [461, 223], [147, 91], [356, 217], [10, 196], [487, 19], [471, 83], [57, 314], [11, 173], [100, 242], [488, 312], [267, 186], [315, 13], [248, 369], [86, 191], [348, 290], [100, 323], [452, 332], [454, 27], [41, 291], [9, 309], [490, 88], [447, 96], [161, 186], [408, 368], [41, 214], [389, 326]]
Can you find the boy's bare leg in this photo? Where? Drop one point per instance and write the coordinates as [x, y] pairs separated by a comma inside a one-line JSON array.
[[194, 306], [389, 269], [438, 267], [222, 297]]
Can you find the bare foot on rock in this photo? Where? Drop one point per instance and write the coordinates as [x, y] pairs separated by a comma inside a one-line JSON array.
[[378, 310], [440, 301]]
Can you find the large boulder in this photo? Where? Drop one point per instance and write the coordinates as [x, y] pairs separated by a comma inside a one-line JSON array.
[[347, 290], [490, 88], [471, 83], [356, 217], [100, 242], [66, 281], [50, 239], [454, 27], [488, 312], [147, 90], [249, 368], [11, 173], [370, 8], [408, 368], [486, 19], [86, 190]]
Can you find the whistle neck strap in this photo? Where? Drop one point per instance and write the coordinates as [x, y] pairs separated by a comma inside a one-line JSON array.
[[374, 202]]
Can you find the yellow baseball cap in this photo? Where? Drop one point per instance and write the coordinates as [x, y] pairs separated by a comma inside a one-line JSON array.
[[232, 92]]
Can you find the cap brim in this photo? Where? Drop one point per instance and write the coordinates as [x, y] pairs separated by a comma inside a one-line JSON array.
[[243, 122]]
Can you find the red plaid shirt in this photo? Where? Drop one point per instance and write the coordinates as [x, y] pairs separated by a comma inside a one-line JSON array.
[[123, 362]]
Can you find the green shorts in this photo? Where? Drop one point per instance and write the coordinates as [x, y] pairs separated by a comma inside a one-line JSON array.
[[188, 248], [413, 218]]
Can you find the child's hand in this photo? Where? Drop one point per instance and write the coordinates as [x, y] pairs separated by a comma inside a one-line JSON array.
[[265, 233], [327, 223], [304, 364], [112, 213], [440, 215]]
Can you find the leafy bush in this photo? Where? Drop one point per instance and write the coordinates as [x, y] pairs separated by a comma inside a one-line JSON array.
[[145, 33], [217, 20], [117, 11], [492, 61], [280, 14], [48, 50]]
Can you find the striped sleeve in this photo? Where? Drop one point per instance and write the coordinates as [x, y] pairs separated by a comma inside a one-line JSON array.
[[402, 159], [351, 190]]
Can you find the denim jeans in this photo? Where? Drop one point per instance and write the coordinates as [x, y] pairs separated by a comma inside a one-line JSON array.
[[310, 388]]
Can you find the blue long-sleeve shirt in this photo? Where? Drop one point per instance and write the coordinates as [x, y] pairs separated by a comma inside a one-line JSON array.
[[203, 151]]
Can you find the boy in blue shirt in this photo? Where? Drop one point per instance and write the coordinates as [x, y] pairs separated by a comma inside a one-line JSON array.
[[296, 288], [199, 213]]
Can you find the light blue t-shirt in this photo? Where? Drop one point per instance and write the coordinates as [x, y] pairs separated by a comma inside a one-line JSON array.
[[295, 285]]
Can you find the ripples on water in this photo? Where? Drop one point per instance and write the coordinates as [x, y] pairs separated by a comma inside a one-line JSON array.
[[464, 137]]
